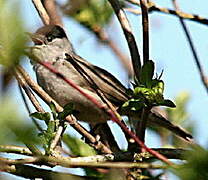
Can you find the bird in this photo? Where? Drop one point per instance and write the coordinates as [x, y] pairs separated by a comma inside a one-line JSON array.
[[52, 45]]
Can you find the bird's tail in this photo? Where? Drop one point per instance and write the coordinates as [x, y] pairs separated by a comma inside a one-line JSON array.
[[157, 119]]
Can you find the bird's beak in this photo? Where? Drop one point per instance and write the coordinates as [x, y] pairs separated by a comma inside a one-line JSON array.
[[36, 38]]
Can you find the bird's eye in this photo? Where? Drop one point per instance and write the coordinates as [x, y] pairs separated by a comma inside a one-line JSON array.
[[49, 38]]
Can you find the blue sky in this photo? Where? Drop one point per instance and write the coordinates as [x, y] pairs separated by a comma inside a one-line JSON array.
[[168, 48]]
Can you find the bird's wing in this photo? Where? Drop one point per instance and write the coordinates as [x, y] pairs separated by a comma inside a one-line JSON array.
[[105, 81], [116, 93]]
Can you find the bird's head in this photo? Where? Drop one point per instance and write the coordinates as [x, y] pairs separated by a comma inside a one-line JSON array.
[[50, 42]]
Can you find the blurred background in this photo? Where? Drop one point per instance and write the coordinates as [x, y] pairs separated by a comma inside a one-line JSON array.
[[169, 50]]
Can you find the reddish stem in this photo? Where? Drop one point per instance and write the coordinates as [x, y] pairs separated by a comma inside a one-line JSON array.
[[108, 111]]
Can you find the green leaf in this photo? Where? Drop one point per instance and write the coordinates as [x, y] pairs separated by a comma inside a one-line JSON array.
[[167, 103], [68, 109], [196, 165], [51, 128], [77, 146], [147, 73], [53, 110], [25, 133], [41, 116], [141, 90], [133, 105], [94, 13], [136, 105], [48, 136], [158, 86]]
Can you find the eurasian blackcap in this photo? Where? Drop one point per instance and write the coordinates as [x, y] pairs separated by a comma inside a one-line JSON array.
[[52, 45]]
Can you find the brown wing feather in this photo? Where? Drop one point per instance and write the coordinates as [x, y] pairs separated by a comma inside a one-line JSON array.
[[106, 82]]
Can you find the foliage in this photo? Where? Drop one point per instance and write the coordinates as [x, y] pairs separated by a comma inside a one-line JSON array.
[[196, 165], [148, 91], [179, 114], [13, 126], [79, 148], [52, 123], [89, 13], [12, 41]]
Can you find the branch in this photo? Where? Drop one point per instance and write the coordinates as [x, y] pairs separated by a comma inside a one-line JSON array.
[[105, 109], [30, 172], [15, 149], [170, 153], [29, 93], [153, 7], [69, 163], [193, 49], [28, 108], [70, 119], [50, 6], [41, 11], [135, 57], [57, 137], [192, 17], [145, 25], [140, 130]]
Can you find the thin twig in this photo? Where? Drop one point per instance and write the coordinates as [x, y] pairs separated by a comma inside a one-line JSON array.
[[140, 130], [37, 89], [145, 25], [15, 149], [50, 7], [193, 49], [135, 57], [103, 132], [134, 11], [30, 172], [153, 7], [102, 96], [192, 17], [171, 153], [33, 148], [41, 11], [57, 137], [64, 162], [29, 93], [28, 109]]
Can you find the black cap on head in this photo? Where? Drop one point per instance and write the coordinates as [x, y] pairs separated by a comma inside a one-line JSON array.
[[51, 32]]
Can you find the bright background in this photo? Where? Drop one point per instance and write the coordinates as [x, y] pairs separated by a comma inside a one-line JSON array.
[[169, 50]]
